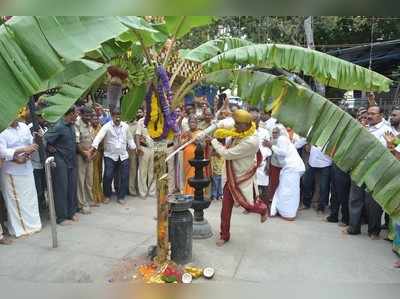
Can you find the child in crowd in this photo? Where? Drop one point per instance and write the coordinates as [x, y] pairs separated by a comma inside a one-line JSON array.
[[217, 164]]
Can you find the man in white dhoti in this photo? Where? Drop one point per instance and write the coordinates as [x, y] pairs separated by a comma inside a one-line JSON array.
[[17, 180], [262, 177], [287, 196], [3, 239]]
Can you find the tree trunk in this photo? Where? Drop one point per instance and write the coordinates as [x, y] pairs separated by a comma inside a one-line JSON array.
[[161, 177]]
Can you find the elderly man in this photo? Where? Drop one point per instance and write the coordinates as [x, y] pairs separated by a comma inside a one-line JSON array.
[[287, 196], [84, 139], [239, 154], [359, 197], [17, 180], [61, 142], [117, 139]]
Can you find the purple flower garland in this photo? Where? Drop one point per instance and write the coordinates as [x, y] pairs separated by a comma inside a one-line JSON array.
[[163, 89]]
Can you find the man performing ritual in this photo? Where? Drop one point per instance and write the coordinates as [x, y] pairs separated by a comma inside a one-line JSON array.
[[242, 147]]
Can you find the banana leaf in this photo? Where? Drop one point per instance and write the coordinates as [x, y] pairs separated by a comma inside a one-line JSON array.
[[350, 145], [35, 46], [38, 53], [73, 36], [328, 70], [132, 101], [71, 71], [69, 93], [213, 48], [150, 34], [182, 25]]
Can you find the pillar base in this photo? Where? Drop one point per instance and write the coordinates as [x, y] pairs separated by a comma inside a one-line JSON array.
[[201, 229]]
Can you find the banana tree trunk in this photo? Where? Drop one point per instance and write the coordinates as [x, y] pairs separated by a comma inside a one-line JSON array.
[[161, 177]]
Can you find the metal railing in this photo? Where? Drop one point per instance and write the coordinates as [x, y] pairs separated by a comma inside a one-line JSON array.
[[48, 165]]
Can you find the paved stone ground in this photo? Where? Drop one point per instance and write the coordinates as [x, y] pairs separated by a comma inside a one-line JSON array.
[[107, 245]]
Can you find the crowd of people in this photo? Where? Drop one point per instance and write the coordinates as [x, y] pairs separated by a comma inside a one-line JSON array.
[[256, 163]]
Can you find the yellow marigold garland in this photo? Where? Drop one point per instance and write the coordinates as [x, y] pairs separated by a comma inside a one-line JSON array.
[[224, 133], [156, 123]]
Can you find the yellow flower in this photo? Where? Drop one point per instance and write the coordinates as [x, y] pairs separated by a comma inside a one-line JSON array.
[[224, 133], [170, 135], [155, 125]]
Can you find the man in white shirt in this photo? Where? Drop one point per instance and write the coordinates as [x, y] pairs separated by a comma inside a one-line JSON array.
[[319, 164], [262, 171], [117, 139], [359, 197], [18, 184]]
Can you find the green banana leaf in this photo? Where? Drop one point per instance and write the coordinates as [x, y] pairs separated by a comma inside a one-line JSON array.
[[71, 70], [150, 34], [182, 25], [213, 48], [324, 124], [69, 93], [328, 70], [132, 101], [38, 53], [73, 36]]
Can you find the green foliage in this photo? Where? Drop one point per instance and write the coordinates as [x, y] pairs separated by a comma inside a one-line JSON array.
[[213, 48], [132, 101], [330, 32], [326, 69], [325, 125], [70, 92], [37, 53]]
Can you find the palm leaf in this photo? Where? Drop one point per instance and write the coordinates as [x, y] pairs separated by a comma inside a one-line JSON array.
[[328, 70], [350, 145]]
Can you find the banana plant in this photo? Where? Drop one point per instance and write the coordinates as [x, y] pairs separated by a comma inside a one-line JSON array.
[[324, 124], [40, 53]]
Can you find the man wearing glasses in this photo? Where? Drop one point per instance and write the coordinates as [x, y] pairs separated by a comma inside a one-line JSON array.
[[359, 197]]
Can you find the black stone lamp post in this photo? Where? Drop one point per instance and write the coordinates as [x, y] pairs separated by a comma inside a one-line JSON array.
[[201, 227]]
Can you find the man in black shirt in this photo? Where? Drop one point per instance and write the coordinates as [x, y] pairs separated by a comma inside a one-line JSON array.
[[61, 143]]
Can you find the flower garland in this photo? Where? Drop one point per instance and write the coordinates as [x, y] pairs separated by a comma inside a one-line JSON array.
[[159, 120], [224, 133]]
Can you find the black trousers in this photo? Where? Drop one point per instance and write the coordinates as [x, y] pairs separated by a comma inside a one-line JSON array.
[[65, 191], [341, 183], [40, 183], [358, 199], [324, 186], [119, 172]]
